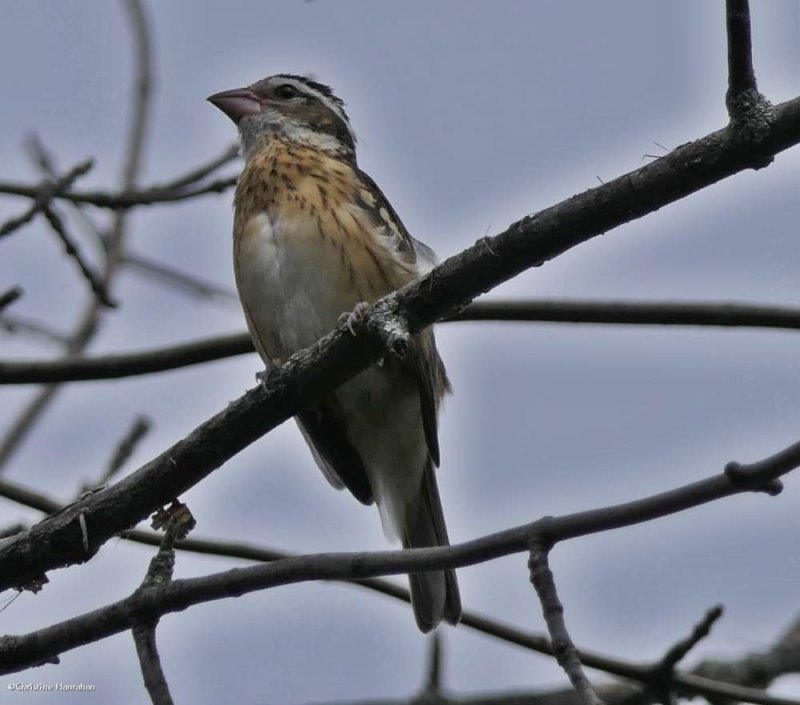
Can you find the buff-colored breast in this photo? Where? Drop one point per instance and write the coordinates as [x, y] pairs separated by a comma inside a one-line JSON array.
[[305, 251]]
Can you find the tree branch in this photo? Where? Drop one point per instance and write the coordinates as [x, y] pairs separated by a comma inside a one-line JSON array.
[[781, 659], [199, 173], [115, 366], [144, 636], [128, 198], [159, 572], [10, 296], [564, 649], [42, 196], [741, 76], [89, 321], [33, 329], [124, 449], [18, 652], [182, 281], [701, 630], [71, 250], [316, 371]]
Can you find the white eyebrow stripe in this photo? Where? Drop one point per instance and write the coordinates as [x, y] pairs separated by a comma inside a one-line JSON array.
[[332, 105]]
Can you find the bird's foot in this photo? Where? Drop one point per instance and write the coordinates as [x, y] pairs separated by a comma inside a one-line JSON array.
[[353, 319], [263, 377]]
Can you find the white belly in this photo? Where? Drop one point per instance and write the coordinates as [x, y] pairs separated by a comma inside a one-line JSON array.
[[293, 285]]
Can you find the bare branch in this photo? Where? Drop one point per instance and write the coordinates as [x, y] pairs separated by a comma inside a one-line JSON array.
[[143, 88], [144, 636], [71, 249], [179, 280], [128, 198], [201, 172], [138, 430], [36, 549], [89, 321], [432, 688], [44, 194], [625, 312], [564, 649], [662, 682], [174, 190], [741, 77], [159, 572], [781, 659], [701, 630], [759, 669], [115, 366], [24, 422], [33, 329], [9, 297], [124, 365], [316, 371], [42, 158], [44, 161], [750, 112]]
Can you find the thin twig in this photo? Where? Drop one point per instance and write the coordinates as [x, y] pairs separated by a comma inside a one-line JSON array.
[[201, 172], [44, 194], [30, 555], [9, 297], [750, 112], [129, 198], [564, 649], [701, 630], [33, 329], [144, 636], [159, 572], [690, 683], [316, 372], [181, 281], [42, 157], [25, 420], [761, 668], [662, 684], [138, 430], [89, 321], [433, 678], [73, 252], [741, 76], [43, 160]]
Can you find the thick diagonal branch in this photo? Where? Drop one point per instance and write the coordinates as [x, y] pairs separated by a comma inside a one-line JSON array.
[[316, 371]]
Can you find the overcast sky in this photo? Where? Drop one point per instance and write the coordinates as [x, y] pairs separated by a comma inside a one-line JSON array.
[[469, 115]]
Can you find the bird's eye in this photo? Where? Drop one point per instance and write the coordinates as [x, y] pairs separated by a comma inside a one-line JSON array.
[[286, 91]]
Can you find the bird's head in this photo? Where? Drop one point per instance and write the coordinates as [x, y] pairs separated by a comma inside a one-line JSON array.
[[293, 108]]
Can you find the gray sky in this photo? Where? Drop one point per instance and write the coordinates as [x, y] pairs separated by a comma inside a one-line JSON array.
[[470, 115]]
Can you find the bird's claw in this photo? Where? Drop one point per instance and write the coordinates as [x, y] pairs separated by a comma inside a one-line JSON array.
[[353, 319], [263, 376]]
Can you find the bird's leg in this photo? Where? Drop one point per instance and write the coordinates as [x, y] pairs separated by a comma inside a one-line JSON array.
[[353, 319]]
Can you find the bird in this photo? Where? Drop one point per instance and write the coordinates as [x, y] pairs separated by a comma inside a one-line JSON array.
[[315, 242]]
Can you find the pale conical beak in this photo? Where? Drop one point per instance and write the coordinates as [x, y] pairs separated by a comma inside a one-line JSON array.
[[237, 103]]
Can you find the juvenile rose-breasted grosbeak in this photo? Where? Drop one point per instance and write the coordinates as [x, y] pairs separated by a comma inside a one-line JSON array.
[[314, 237]]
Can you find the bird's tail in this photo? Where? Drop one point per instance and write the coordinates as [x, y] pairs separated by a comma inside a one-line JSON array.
[[434, 595]]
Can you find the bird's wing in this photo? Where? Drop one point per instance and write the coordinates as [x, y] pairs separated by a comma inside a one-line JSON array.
[[431, 378], [390, 226], [432, 385], [339, 461], [325, 435]]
